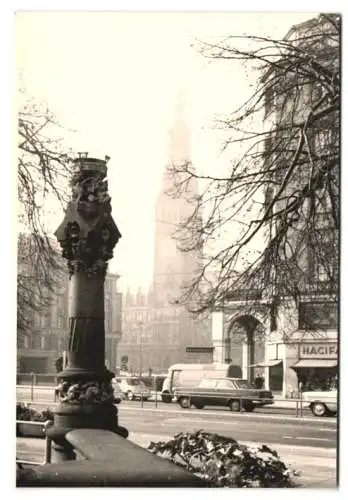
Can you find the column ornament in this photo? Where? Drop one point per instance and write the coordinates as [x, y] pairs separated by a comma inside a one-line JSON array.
[[88, 233]]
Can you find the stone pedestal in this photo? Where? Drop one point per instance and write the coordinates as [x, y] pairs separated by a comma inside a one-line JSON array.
[[87, 236]]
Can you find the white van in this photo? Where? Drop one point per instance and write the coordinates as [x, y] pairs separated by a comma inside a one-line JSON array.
[[188, 375]]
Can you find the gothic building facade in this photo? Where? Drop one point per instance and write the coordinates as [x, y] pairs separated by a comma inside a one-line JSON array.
[[156, 329]]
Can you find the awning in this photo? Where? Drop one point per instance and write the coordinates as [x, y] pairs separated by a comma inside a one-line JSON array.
[[315, 363], [270, 362]]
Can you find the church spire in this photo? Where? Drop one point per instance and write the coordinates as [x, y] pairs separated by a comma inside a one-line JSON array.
[[179, 134]]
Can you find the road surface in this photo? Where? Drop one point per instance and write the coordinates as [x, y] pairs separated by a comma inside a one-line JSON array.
[[307, 444], [241, 426]]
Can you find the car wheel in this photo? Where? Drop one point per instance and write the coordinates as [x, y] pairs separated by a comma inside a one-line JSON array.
[[199, 407], [184, 402], [234, 405], [130, 396], [318, 409], [166, 398], [249, 407]]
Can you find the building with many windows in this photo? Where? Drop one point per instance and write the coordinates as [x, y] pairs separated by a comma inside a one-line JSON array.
[[292, 338]]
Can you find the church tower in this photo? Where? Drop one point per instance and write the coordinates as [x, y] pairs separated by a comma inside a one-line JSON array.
[[176, 327], [172, 268]]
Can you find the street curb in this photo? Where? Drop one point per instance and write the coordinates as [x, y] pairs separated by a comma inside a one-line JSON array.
[[246, 415]]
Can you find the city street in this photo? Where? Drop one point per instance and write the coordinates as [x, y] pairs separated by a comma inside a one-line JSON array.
[[306, 444], [169, 419], [45, 396], [243, 426]]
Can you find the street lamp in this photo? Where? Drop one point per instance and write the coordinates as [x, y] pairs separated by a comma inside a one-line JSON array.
[[87, 236], [140, 340]]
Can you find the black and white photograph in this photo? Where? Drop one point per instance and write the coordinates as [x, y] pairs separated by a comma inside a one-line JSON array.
[[177, 232]]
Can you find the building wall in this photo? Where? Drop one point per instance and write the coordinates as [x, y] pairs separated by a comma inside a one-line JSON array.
[[292, 340], [39, 350], [160, 332]]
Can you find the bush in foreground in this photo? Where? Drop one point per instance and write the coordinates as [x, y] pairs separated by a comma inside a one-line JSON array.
[[224, 462], [24, 412]]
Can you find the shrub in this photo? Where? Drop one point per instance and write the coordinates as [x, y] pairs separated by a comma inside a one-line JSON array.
[[24, 412], [223, 462]]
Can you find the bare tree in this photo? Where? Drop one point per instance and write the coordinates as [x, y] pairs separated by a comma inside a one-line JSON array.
[[269, 227], [42, 171]]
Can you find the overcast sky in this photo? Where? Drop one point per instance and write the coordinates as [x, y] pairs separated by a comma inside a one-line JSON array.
[[114, 79]]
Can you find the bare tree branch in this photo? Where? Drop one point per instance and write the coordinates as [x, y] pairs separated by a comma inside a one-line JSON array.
[[270, 224], [43, 171]]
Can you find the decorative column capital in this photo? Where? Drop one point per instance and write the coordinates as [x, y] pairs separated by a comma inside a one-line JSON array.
[[88, 233]]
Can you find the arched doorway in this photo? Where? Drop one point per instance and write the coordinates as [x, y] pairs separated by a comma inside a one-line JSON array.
[[245, 344]]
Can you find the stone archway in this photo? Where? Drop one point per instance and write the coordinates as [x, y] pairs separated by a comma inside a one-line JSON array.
[[244, 343]]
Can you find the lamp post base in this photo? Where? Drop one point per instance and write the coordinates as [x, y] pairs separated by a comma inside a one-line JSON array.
[[86, 401], [68, 417]]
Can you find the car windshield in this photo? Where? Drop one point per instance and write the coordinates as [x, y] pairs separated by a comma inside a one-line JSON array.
[[242, 384], [133, 381]]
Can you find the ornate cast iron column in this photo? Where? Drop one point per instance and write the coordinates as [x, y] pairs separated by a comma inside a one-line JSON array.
[[87, 235]]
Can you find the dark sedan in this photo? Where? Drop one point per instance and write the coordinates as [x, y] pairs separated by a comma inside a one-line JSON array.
[[236, 394]]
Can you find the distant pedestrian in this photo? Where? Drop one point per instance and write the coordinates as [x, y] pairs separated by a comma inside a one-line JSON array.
[[259, 381]]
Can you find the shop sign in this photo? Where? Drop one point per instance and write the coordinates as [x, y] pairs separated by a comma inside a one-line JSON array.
[[196, 349], [327, 351], [197, 354]]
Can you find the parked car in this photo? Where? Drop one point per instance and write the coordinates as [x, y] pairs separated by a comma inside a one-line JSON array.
[[189, 374], [321, 403], [133, 388], [234, 393], [118, 394]]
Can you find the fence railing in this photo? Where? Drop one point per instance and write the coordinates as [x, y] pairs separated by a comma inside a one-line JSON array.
[[32, 390], [40, 387], [43, 426], [33, 379], [32, 395]]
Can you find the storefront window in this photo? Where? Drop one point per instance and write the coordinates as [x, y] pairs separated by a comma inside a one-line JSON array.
[[318, 379]]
